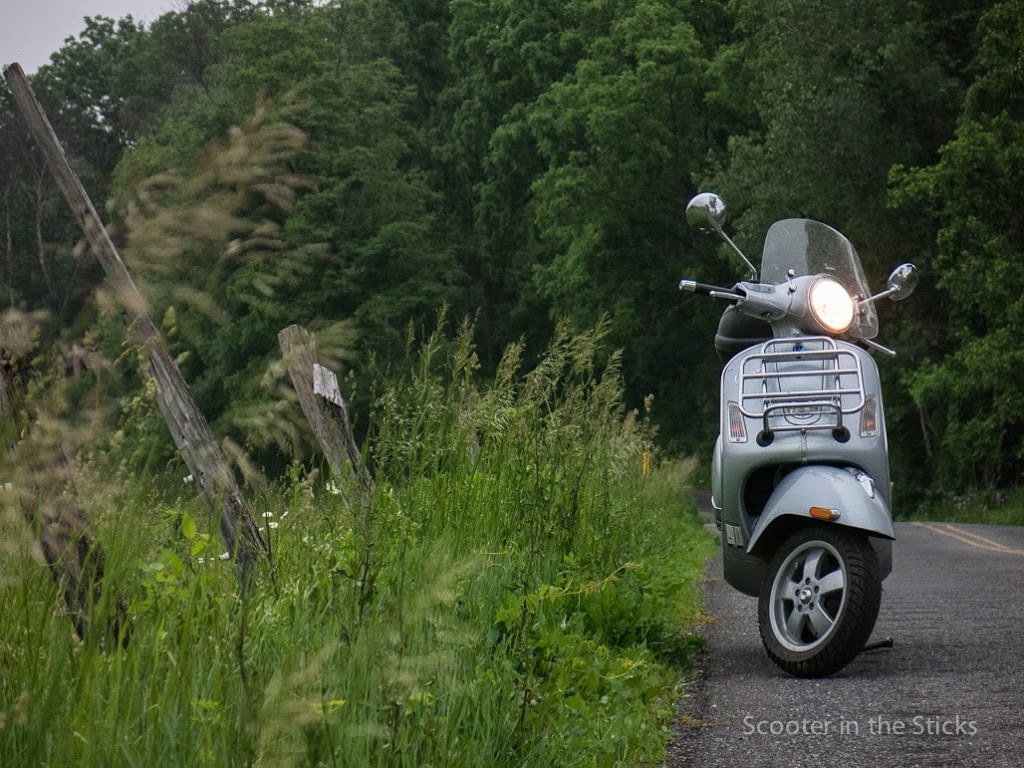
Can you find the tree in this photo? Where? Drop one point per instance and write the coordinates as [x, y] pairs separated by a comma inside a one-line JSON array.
[[577, 129], [970, 396], [841, 91], [314, 212]]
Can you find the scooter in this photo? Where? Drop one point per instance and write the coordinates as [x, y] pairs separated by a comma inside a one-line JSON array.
[[800, 472]]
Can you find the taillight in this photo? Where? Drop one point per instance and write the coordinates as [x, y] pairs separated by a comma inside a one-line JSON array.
[[869, 417], [737, 428]]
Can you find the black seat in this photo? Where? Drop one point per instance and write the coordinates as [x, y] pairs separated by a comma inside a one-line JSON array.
[[737, 331]]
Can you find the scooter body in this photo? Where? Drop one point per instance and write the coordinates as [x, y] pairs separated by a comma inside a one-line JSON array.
[[802, 429]]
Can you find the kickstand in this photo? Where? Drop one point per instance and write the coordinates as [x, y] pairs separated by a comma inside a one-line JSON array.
[[885, 643]]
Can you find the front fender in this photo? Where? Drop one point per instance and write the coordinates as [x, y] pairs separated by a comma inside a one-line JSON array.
[[850, 492]]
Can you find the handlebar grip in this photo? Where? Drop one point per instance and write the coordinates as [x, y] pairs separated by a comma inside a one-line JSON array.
[[702, 289]]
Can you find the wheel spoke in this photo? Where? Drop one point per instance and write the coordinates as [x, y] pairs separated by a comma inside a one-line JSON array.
[[833, 582], [811, 564], [820, 620], [795, 625]]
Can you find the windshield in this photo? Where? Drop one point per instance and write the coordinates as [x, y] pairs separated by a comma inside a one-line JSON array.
[[812, 248]]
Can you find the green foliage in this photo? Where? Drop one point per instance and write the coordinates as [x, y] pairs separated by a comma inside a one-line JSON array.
[[577, 130], [523, 162], [970, 397], [842, 90], [515, 592], [993, 507], [306, 211]]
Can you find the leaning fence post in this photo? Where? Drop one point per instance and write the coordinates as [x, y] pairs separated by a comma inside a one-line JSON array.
[[188, 426], [322, 404]]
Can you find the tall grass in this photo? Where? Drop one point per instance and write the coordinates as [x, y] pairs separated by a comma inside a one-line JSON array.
[[515, 592]]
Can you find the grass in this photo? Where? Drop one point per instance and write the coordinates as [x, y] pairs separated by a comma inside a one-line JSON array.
[[515, 592], [1004, 507]]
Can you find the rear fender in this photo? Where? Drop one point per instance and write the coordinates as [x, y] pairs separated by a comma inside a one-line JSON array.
[[849, 492]]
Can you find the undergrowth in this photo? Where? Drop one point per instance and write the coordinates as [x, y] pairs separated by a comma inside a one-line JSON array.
[[996, 507], [514, 592]]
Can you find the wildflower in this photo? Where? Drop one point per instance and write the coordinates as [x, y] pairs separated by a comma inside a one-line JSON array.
[[267, 515], [188, 479], [225, 555], [273, 524]]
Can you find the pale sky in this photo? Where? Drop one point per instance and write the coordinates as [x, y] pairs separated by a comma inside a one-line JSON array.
[[30, 30]]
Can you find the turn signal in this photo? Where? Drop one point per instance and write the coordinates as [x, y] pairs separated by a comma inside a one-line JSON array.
[[737, 428], [823, 513], [869, 417]]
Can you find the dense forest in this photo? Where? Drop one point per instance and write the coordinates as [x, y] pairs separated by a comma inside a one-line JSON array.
[[360, 166]]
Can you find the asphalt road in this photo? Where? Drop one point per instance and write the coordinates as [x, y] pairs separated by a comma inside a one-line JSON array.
[[949, 693]]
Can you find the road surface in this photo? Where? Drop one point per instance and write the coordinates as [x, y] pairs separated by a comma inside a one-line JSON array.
[[949, 693]]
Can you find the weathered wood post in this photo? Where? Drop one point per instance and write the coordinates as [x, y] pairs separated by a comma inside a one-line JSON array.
[[326, 412], [322, 404], [191, 432]]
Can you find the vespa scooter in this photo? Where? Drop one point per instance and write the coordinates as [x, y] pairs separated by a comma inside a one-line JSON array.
[[800, 472]]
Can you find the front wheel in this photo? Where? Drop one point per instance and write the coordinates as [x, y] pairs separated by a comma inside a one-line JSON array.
[[819, 600]]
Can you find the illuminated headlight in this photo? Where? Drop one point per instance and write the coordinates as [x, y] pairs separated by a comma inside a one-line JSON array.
[[831, 305]]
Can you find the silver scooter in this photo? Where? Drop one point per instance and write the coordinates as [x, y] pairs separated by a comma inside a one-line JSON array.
[[800, 473]]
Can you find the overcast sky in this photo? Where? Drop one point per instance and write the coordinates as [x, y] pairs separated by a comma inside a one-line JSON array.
[[30, 30]]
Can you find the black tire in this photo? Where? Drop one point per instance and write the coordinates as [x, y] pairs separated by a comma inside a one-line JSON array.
[[819, 600]]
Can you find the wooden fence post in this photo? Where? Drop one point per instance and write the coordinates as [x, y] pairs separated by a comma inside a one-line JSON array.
[[191, 432], [322, 404]]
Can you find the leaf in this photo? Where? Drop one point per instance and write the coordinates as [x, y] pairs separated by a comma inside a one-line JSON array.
[[188, 527]]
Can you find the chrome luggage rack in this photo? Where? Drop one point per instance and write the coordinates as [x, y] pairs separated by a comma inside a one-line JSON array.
[[800, 384]]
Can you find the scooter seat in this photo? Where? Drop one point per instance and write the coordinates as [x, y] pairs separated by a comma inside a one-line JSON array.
[[737, 332]]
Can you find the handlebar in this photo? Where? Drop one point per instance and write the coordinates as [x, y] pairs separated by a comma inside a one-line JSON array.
[[703, 289]]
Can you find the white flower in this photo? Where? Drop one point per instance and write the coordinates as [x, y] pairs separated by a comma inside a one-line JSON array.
[[188, 479], [225, 555], [273, 524], [267, 515], [285, 514]]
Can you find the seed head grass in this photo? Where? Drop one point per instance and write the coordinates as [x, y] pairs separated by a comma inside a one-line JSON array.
[[515, 591]]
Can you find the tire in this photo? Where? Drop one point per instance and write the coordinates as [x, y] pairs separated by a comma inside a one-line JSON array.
[[819, 600]]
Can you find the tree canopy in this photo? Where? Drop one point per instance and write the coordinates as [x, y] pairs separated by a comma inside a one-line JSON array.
[[356, 166]]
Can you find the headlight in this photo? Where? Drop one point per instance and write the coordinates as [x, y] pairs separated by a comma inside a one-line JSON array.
[[831, 305]]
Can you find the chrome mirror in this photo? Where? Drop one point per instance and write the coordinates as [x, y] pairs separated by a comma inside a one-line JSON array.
[[902, 282], [706, 212]]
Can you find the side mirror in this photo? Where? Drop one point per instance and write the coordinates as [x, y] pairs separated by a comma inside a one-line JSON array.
[[902, 282], [706, 212]]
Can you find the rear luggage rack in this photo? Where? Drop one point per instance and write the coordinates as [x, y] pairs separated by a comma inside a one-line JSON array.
[[800, 384]]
